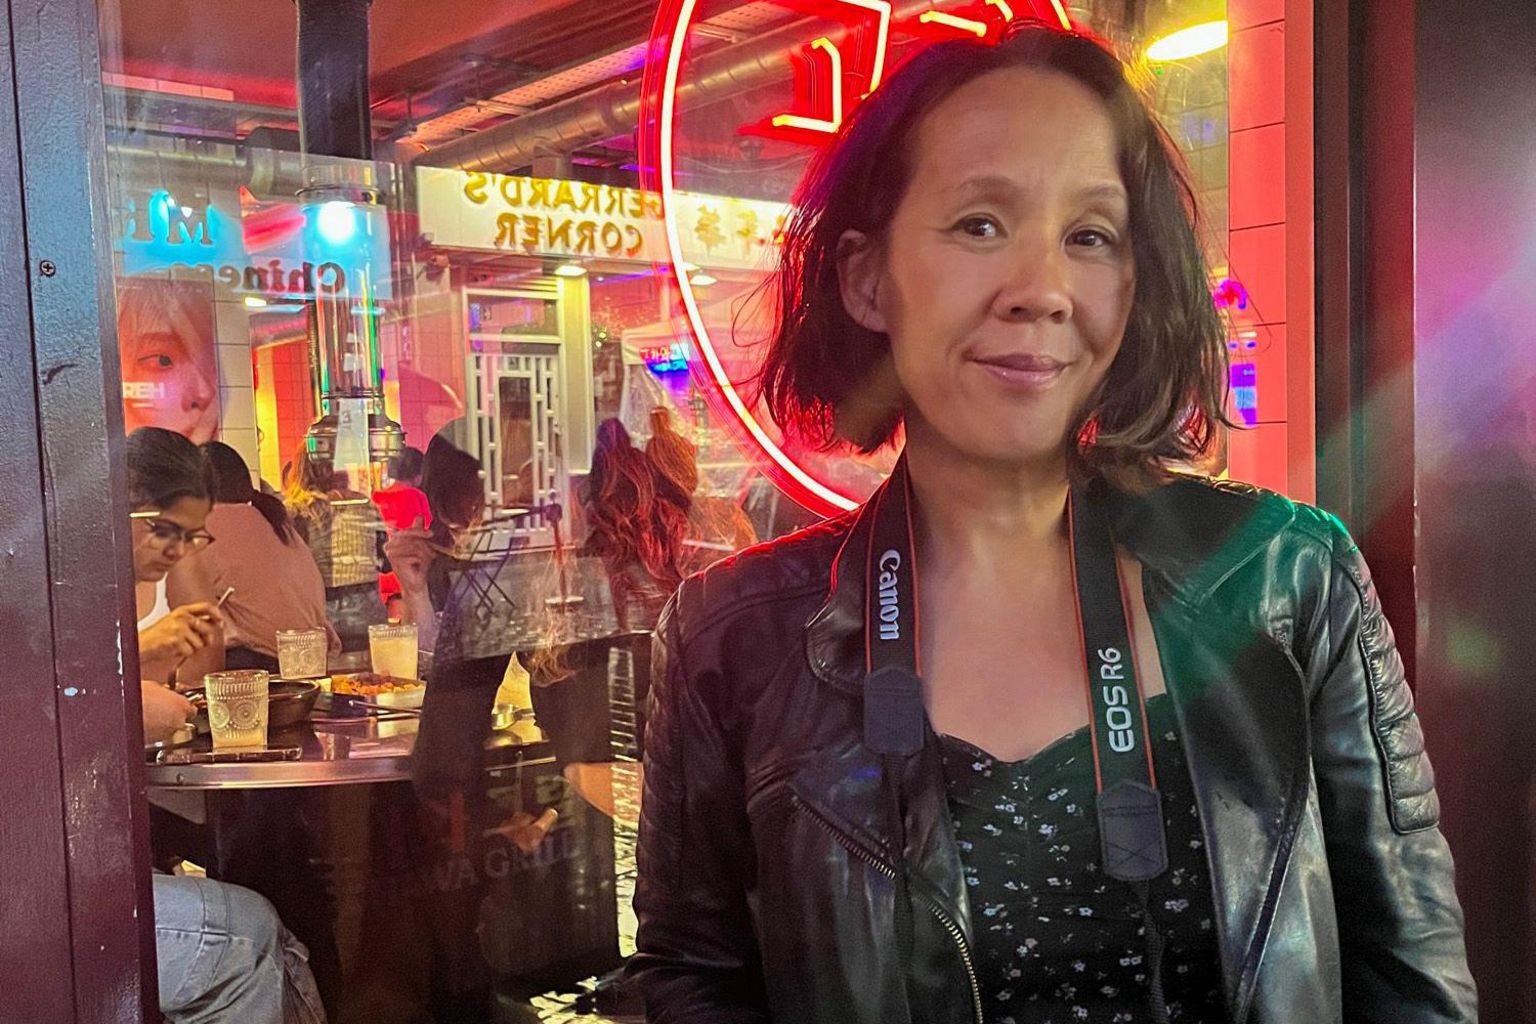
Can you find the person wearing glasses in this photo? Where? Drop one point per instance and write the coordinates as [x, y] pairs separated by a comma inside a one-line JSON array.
[[224, 956], [170, 486]]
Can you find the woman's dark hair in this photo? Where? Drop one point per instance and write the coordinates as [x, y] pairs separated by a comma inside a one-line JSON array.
[[450, 478], [1163, 393], [406, 466], [232, 485], [163, 467]]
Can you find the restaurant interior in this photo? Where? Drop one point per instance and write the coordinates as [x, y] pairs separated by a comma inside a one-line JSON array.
[[528, 242]]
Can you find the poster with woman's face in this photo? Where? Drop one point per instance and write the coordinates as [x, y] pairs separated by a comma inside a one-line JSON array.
[[166, 343]]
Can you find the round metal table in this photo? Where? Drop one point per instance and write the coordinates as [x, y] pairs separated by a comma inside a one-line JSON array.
[[334, 754]]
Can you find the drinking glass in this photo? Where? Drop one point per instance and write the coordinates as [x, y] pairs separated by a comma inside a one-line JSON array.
[[393, 650], [237, 709], [301, 653]]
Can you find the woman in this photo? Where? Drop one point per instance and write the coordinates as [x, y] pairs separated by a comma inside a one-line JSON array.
[[165, 332], [635, 530], [421, 552], [343, 531], [261, 560], [170, 489], [1231, 818], [223, 954], [715, 526]]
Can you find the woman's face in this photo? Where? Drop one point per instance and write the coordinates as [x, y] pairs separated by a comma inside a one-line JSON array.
[[167, 385], [158, 543], [1006, 278]]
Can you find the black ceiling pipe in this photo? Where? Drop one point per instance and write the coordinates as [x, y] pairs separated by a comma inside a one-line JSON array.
[[336, 137], [334, 118]]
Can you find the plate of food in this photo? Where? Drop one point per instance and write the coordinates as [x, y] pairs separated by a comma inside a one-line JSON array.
[[390, 691]]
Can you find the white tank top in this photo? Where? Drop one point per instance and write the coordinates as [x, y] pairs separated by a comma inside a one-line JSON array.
[[161, 609]]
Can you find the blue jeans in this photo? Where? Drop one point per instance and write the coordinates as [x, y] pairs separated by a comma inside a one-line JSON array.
[[225, 958]]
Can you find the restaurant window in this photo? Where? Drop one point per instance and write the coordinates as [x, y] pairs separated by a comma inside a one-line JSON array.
[[476, 258]]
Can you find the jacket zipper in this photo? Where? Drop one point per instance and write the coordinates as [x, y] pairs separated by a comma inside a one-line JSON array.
[[949, 924]]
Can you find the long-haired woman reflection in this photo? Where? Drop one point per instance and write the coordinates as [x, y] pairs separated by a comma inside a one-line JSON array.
[[1044, 731]]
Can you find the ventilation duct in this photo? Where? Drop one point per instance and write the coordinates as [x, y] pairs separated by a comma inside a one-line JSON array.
[[340, 191], [614, 109]]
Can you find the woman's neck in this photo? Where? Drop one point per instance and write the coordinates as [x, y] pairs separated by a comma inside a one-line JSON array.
[[975, 509]]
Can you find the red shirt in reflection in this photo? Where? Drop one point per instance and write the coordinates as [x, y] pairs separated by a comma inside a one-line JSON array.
[[400, 505]]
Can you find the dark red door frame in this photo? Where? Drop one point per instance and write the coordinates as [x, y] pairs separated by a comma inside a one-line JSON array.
[[78, 943], [1365, 267], [1424, 121]]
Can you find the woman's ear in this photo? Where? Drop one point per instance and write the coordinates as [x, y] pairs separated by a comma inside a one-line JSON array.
[[858, 280]]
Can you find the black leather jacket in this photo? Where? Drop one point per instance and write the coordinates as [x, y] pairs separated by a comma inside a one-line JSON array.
[[765, 889]]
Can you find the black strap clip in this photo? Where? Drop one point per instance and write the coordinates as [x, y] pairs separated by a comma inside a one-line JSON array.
[[894, 719], [1131, 831]]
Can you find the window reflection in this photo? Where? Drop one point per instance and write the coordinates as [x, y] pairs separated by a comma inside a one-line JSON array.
[[496, 284]]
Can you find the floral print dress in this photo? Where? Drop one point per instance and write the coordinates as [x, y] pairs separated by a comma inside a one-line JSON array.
[[1056, 941]]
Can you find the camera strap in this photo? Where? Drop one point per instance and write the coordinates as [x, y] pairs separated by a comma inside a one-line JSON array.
[[1132, 844]]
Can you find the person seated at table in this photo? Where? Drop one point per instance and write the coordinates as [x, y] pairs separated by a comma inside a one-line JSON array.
[[450, 481], [401, 502], [342, 528], [261, 560], [224, 957], [170, 489], [223, 954]]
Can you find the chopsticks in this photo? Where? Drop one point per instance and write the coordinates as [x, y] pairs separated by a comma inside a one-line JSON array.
[[217, 605], [386, 709]]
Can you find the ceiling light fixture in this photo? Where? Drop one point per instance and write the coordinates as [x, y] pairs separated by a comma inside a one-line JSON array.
[[1189, 42]]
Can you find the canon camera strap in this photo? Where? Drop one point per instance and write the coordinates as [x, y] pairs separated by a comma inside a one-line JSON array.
[[1129, 808], [1132, 844]]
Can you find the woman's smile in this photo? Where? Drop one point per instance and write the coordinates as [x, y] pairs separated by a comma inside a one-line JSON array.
[[1020, 371]]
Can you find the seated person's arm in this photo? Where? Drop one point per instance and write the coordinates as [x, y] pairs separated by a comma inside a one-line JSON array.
[[188, 641], [187, 588], [411, 553], [163, 711]]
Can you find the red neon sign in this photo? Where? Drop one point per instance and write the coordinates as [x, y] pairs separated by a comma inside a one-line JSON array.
[[826, 83], [833, 72]]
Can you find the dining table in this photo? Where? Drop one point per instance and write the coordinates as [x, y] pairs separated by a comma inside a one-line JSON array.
[[435, 862]]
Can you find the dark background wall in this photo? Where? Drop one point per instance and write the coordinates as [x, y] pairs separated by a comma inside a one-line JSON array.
[[1474, 318]]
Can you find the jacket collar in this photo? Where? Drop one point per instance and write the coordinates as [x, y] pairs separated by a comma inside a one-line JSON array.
[[1190, 535]]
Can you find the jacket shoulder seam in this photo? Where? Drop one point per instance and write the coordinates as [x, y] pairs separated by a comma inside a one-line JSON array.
[[688, 633]]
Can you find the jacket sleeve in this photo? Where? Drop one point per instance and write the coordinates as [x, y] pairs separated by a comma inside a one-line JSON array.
[[1400, 924], [697, 957]]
